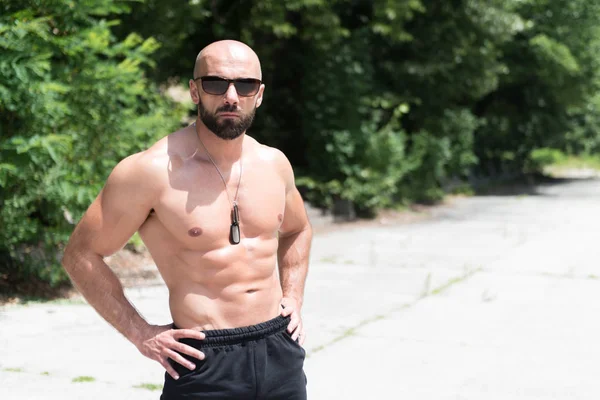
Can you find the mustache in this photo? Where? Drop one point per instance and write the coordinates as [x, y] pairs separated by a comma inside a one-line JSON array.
[[228, 108]]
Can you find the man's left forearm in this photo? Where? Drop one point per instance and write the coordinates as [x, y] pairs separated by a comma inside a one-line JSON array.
[[293, 255]]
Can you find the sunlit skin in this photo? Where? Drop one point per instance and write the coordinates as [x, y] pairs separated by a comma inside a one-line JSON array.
[[173, 195]]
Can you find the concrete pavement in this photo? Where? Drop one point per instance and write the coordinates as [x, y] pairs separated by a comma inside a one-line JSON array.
[[494, 297]]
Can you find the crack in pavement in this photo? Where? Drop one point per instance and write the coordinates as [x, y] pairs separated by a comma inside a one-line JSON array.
[[349, 332]]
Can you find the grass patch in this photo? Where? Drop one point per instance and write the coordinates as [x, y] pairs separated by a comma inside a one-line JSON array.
[[348, 332], [45, 373], [577, 162], [149, 386], [13, 369], [329, 259], [454, 281], [84, 379]]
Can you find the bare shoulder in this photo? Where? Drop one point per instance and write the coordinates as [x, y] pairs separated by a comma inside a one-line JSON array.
[[139, 170], [277, 160], [149, 168], [275, 157]]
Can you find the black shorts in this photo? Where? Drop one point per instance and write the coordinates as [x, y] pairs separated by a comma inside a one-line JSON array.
[[255, 362]]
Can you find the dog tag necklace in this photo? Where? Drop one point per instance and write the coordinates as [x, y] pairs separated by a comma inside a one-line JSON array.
[[234, 229]]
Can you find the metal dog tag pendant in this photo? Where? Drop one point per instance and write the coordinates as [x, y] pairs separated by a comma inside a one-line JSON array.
[[234, 230], [234, 233]]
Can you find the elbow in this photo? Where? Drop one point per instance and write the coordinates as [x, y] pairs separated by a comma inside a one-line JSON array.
[[76, 259], [70, 260]]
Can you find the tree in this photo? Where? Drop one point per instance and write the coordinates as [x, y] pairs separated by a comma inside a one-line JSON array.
[[73, 102], [547, 97]]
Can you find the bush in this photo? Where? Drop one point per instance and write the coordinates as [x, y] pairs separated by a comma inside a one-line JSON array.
[[73, 102], [540, 158]]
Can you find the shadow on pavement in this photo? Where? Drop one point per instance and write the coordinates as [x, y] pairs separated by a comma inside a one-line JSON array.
[[528, 185]]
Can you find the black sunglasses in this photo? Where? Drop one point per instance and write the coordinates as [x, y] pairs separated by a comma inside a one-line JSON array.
[[245, 87]]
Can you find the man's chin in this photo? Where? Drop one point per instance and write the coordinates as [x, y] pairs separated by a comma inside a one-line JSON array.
[[228, 135], [227, 127]]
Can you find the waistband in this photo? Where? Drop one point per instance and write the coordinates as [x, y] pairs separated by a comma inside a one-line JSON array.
[[225, 337]]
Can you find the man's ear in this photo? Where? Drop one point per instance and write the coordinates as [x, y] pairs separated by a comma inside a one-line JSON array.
[[259, 97], [194, 92]]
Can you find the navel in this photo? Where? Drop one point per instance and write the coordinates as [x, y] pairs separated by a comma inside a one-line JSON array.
[[195, 232], [280, 217]]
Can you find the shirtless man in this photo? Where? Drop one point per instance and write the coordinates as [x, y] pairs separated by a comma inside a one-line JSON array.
[[218, 212]]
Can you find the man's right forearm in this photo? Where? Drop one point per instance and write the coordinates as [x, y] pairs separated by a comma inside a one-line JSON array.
[[103, 291]]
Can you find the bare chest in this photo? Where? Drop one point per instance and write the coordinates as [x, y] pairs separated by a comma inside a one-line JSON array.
[[197, 212]]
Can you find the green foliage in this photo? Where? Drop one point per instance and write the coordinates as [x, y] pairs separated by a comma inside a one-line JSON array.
[[346, 79], [73, 102], [149, 386], [577, 162], [376, 102], [540, 158], [548, 97], [80, 379]]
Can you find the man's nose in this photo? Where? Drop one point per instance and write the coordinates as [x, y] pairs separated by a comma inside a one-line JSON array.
[[231, 95]]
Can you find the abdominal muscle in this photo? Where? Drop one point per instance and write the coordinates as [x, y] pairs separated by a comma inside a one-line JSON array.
[[227, 287], [200, 306]]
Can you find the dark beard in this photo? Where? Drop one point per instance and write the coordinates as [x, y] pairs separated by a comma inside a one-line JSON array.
[[230, 128]]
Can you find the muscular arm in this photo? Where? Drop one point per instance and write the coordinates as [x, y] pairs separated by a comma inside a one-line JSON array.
[[295, 235], [115, 215], [119, 210], [293, 252]]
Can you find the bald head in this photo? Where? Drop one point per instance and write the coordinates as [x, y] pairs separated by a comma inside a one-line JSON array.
[[228, 58]]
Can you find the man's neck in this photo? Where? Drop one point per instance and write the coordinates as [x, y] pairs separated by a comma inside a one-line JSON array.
[[224, 152]]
